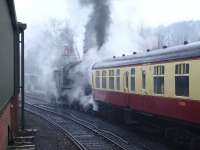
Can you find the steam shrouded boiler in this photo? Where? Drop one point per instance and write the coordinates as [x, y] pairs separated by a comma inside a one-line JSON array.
[[68, 78]]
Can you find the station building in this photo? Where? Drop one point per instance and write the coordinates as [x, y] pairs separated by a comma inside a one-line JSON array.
[[9, 72]]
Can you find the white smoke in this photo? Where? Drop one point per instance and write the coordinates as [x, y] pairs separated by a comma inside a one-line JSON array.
[[44, 45]]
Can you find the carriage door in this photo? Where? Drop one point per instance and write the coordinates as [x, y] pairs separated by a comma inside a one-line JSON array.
[[144, 82], [126, 82], [126, 86]]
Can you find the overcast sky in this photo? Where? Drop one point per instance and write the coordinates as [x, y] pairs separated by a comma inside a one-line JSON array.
[[148, 12]]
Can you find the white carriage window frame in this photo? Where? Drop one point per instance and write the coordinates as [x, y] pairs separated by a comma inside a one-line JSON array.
[[133, 71], [104, 79], [159, 72], [98, 78], [117, 81], [181, 70], [111, 79]]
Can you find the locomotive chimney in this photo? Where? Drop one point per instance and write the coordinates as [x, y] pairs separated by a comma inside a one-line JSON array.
[[148, 50], [123, 55], [114, 57]]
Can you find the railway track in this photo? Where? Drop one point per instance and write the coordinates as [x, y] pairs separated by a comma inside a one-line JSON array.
[[127, 139], [85, 135], [38, 98]]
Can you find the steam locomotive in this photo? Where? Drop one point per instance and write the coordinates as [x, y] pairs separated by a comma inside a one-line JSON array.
[[71, 83], [160, 86]]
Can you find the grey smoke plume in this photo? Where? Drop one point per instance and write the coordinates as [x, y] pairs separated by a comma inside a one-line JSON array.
[[101, 13], [98, 24]]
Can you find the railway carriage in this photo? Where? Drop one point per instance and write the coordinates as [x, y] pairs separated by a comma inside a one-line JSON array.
[[162, 83]]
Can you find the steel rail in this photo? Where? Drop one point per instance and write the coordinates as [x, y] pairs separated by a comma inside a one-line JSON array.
[[100, 130]]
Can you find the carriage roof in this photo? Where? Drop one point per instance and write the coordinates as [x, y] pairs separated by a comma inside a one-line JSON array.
[[187, 51]]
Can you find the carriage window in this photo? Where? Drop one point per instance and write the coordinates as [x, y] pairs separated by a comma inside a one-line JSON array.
[[132, 79], [182, 79], [111, 79], [118, 79], [159, 72], [143, 79], [104, 79], [97, 79]]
